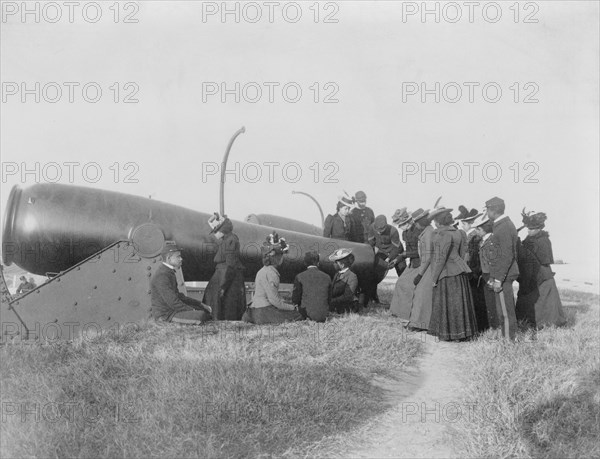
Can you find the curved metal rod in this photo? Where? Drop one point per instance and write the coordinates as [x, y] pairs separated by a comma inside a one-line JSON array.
[[223, 169], [316, 202]]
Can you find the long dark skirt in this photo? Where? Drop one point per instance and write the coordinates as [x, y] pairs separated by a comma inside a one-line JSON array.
[[270, 315], [452, 314], [233, 304], [542, 306]]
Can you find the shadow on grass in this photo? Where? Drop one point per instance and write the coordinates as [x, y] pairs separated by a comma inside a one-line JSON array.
[[230, 390], [566, 426]]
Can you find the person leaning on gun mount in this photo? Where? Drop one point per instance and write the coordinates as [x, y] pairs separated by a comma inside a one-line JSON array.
[[267, 306], [168, 303], [385, 241], [538, 302], [312, 289], [340, 225], [362, 218], [345, 283], [503, 265], [225, 292]]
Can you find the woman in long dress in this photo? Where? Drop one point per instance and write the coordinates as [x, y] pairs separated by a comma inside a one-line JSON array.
[[538, 302], [420, 313], [225, 292], [452, 315]]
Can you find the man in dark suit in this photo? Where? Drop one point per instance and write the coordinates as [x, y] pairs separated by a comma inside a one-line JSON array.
[[168, 304], [362, 218], [311, 290], [503, 265]]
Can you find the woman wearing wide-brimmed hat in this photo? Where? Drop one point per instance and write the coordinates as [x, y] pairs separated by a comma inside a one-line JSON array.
[[402, 299], [538, 302], [452, 314], [339, 225], [225, 292], [343, 287], [267, 306]]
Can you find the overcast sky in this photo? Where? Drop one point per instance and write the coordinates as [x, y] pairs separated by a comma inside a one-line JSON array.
[[369, 60]]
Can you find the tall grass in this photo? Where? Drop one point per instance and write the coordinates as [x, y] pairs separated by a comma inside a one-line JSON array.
[[223, 390], [542, 393]]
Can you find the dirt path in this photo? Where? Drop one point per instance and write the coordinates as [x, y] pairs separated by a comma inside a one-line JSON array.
[[420, 424]]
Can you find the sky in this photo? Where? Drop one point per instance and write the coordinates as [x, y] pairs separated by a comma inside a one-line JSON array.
[[143, 97]]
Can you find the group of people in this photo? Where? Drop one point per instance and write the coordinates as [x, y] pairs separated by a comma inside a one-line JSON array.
[[314, 294], [455, 278], [459, 281]]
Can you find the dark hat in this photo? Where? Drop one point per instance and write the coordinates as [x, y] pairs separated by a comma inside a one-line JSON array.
[[380, 223], [169, 247], [419, 214], [467, 215], [360, 196], [534, 220], [495, 201], [340, 254], [401, 216], [275, 244]]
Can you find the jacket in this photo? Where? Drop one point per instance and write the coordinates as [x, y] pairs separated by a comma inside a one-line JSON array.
[[411, 239], [228, 258], [503, 257], [311, 292], [266, 290], [449, 248], [425, 248], [387, 242], [166, 299], [485, 248], [343, 289], [361, 221], [336, 228], [472, 254], [534, 258]]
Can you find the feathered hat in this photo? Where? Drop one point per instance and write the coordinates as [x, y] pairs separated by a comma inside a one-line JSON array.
[[534, 220], [401, 216], [437, 209]]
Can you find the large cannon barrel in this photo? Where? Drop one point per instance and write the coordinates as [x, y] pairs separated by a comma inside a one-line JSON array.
[[276, 221], [51, 227]]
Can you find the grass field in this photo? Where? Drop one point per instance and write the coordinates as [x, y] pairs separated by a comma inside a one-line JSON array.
[[229, 390], [541, 395]]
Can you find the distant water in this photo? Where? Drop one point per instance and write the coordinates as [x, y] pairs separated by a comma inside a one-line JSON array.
[[572, 276]]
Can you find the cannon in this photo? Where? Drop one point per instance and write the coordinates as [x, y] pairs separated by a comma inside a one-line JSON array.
[[100, 248]]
